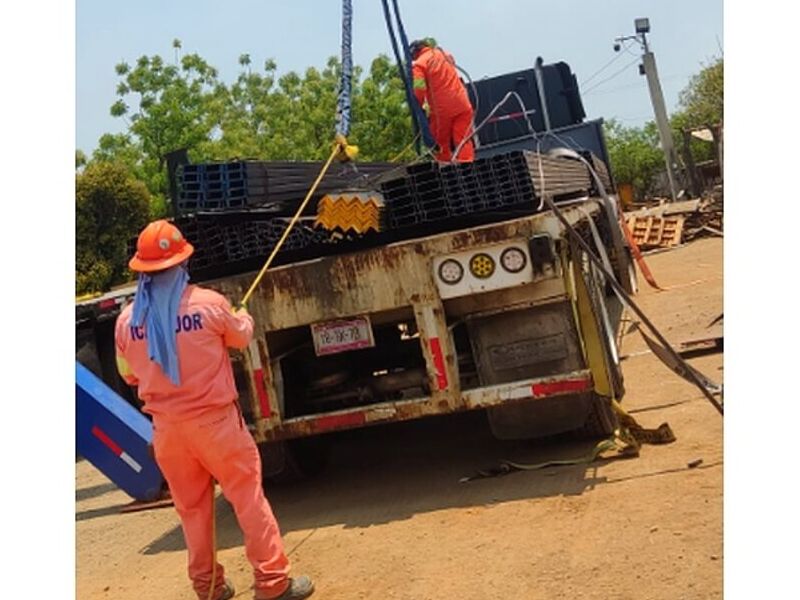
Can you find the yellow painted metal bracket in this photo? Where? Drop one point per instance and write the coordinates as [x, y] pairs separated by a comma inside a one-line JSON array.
[[590, 333]]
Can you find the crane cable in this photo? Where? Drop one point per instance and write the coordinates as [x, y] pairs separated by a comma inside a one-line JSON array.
[[418, 118], [342, 150]]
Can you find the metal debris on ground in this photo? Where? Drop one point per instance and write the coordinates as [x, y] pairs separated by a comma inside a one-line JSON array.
[[699, 218], [704, 345], [681, 368], [707, 219]]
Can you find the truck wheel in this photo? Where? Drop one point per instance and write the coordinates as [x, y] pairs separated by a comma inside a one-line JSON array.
[[293, 460], [538, 418], [601, 422]]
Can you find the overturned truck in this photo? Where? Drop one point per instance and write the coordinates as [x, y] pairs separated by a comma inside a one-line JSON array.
[[498, 310]]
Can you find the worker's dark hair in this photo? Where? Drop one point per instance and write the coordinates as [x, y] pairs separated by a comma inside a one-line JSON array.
[[417, 45]]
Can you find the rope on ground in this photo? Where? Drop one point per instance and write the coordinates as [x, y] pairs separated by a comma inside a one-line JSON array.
[[625, 442]]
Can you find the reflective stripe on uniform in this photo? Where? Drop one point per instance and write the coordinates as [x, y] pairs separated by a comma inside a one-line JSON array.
[[419, 84], [123, 367]]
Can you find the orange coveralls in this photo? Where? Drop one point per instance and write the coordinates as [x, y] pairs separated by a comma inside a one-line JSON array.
[[199, 434], [436, 80]]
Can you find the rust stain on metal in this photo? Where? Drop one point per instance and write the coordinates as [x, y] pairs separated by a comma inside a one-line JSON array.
[[489, 235]]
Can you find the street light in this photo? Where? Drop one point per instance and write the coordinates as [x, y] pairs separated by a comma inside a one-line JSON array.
[[648, 68]]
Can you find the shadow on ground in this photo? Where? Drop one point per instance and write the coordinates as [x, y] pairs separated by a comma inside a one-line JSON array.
[[391, 473]]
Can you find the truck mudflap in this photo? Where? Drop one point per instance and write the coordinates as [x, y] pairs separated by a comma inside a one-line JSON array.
[[532, 389], [114, 436]]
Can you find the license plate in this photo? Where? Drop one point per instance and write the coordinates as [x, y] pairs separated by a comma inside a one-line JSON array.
[[342, 336]]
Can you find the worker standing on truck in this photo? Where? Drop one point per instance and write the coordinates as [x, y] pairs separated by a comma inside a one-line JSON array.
[[172, 343], [436, 81]]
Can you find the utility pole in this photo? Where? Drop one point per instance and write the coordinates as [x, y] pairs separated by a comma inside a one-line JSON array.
[[648, 68]]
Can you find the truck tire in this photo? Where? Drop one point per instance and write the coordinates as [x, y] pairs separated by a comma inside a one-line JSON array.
[[533, 419], [293, 460], [601, 422]]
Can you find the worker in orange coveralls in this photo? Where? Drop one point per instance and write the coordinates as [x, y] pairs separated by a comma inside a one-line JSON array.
[[172, 343], [436, 81]]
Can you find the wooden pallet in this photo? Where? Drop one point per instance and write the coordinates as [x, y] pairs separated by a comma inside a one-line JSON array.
[[656, 232]]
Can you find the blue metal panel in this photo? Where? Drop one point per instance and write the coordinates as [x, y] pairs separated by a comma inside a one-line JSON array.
[[101, 412]]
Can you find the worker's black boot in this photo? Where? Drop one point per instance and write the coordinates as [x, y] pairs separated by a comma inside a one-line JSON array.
[[299, 588], [228, 591]]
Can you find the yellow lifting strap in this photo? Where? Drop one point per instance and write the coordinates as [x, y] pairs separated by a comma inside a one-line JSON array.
[[625, 442], [342, 150]]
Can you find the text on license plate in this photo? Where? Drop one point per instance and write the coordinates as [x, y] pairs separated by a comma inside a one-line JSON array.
[[341, 336]]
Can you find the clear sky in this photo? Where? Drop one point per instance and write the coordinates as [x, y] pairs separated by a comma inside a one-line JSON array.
[[486, 37]]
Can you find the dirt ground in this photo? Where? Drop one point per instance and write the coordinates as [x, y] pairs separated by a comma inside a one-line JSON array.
[[390, 519]]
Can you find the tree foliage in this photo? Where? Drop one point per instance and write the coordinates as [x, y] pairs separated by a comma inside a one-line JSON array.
[[259, 115], [702, 100], [168, 105], [634, 154], [701, 105], [111, 206]]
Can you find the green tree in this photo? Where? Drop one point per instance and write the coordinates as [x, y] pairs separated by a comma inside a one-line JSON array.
[[80, 159], [111, 206], [246, 115], [124, 149], [166, 107], [702, 99], [381, 118], [634, 154], [292, 117], [700, 105]]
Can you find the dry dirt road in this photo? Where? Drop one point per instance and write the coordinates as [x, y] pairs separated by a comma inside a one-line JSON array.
[[389, 518]]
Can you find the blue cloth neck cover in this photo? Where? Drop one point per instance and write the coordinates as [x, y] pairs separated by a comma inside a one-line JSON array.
[[155, 306]]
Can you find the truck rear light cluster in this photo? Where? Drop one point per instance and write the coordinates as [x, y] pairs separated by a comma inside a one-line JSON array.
[[485, 269], [451, 271], [513, 260], [481, 265]]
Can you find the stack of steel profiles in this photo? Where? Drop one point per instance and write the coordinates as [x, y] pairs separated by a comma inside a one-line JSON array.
[[233, 185], [563, 177], [455, 181], [231, 243], [351, 211], [474, 197], [426, 186], [503, 180], [302, 235], [521, 177], [492, 195], [252, 185], [288, 182], [190, 187], [602, 173], [403, 207]]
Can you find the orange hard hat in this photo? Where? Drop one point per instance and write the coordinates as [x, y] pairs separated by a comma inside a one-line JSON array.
[[160, 246]]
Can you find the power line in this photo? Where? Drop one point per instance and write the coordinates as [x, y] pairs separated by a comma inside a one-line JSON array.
[[596, 85], [605, 66], [638, 86]]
